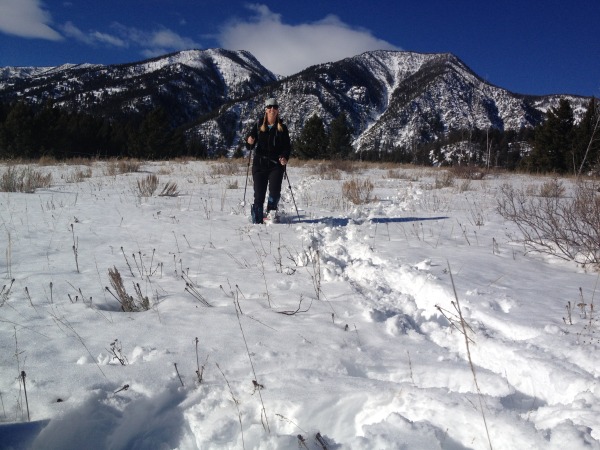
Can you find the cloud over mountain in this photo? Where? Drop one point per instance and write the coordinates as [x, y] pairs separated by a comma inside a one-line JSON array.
[[286, 49]]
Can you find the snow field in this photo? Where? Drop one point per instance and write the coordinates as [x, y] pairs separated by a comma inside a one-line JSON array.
[[346, 318]]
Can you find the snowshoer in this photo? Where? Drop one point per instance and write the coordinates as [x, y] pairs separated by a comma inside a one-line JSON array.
[[272, 141]]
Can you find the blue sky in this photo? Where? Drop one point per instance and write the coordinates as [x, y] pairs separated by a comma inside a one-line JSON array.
[[528, 47]]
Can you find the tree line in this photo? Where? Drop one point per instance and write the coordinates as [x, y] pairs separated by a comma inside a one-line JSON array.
[[314, 142], [30, 132], [557, 145], [562, 146]]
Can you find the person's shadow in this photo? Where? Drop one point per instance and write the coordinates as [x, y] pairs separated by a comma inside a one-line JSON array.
[[344, 221]]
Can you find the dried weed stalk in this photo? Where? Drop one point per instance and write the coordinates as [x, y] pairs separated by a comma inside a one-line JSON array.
[[169, 190], [148, 185], [468, 341], [128, 302]]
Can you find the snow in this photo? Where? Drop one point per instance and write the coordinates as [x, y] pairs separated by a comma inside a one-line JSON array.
[[342, 324]]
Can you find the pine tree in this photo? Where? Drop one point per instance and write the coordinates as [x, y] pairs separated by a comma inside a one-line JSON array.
[[49, 136], [154, 137], [18, 132], [587, 140], [553, 142], [312, 141], [340, 138]]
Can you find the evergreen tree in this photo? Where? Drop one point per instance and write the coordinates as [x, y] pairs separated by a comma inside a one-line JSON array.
[[340, 138], [49, 136], [553, 142], [587, 140], [313, 140], [196, 147], [154, 137], [18, 132]]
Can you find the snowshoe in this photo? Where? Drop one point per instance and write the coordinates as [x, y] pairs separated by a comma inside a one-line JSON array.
[[272, 217]]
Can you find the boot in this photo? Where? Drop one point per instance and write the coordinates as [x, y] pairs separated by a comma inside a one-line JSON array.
[[272, 203], [256, 212]]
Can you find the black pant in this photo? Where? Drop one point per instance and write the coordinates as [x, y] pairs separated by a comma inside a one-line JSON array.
[[267, 173]]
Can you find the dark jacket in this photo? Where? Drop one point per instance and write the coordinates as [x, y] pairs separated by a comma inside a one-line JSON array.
[[270, 144]]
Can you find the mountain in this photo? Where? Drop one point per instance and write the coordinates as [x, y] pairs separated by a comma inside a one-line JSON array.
[[391, 98], [187, 84]]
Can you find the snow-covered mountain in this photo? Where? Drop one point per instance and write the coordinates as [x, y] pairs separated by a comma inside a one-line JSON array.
[[392, 98], [187, 84]]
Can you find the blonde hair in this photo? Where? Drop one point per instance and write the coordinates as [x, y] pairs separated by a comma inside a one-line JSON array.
[[265, 124]]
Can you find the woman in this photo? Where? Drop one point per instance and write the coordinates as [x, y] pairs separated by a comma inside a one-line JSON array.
[[272, 141]]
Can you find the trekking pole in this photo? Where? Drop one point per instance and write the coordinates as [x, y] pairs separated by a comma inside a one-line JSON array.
[[247, 172], [248, 168], [291, 191]]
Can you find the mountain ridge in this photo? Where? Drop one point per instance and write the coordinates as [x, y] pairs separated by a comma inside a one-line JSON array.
[[392, 99]]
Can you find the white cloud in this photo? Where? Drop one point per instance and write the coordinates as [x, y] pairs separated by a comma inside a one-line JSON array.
[[26, 18], [169, 39], [108, 39], [92, 37], [287, 49], [150, 43], [156, 42]]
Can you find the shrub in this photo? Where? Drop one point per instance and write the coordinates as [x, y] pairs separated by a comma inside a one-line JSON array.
[[568, 228], [357, 192], [552, 188]]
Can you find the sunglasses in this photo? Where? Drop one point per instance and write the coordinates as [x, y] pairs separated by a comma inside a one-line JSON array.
[[273, 106]]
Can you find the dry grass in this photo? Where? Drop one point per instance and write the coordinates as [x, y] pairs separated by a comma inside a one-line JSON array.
[[23, 180], [120, 166], [344, 165], [47, 161], [468, 172], [444, 179], [79, 175], [228, 167], [333, 170], [232, 184], [169, 190], [358, 191], [147, 186], [325, 172]]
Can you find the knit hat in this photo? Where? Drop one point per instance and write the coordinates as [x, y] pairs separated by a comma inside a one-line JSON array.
[[272, 101]]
